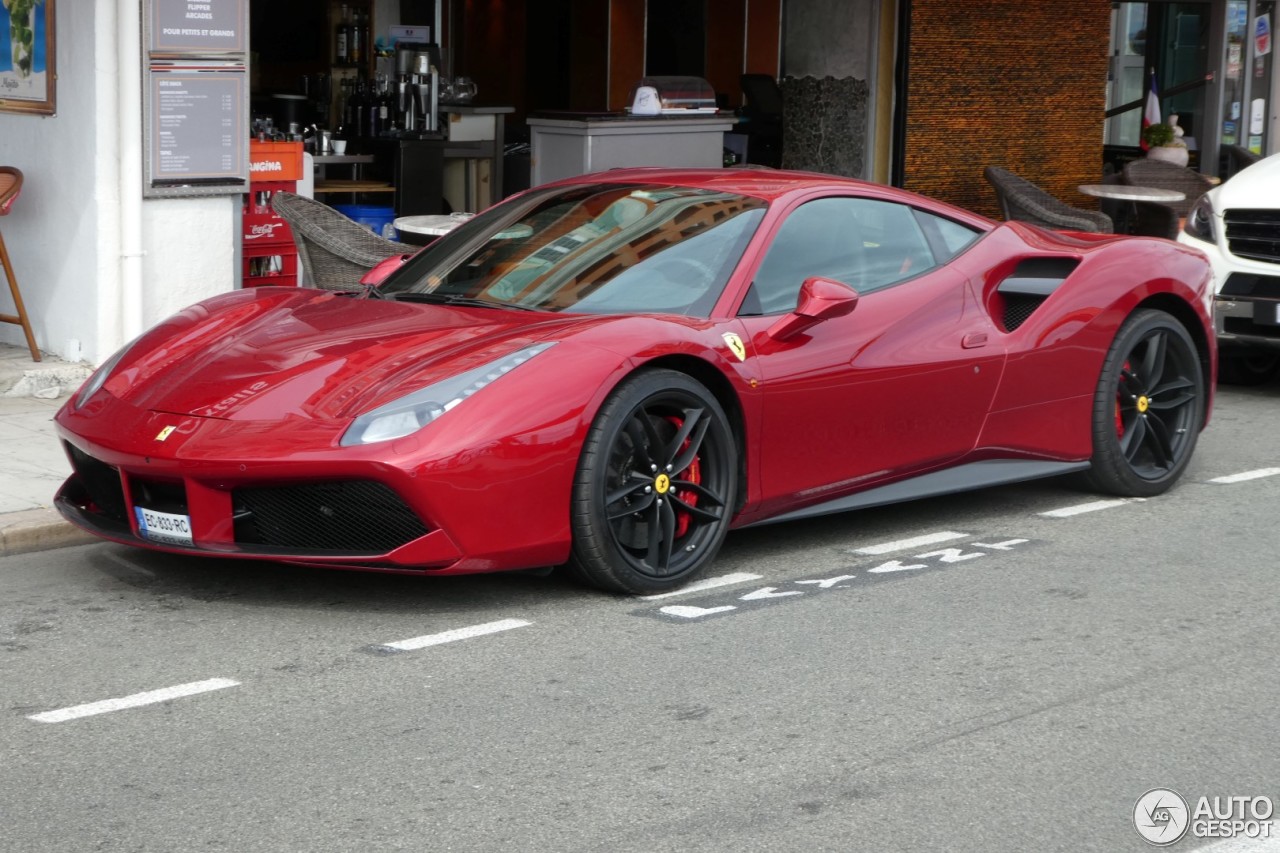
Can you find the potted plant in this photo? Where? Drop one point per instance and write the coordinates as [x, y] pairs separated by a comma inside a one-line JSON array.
[[1164, 142]]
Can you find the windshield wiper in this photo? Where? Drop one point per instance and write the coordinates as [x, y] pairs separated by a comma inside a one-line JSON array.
[[444, 299]]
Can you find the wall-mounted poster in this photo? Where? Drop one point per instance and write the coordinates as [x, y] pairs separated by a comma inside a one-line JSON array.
[[27, 74]]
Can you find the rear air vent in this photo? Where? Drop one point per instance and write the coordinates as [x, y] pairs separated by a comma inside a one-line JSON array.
[[1026, 289]]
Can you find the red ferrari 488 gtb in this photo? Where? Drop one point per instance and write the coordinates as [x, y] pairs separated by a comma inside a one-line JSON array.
[[613, 371]]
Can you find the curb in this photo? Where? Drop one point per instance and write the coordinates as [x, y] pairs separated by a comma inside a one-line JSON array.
[[38, 530]]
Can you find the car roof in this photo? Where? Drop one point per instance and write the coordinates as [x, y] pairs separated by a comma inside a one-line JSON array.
[[769, 184]]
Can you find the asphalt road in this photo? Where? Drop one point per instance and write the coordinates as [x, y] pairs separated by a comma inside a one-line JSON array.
[[985, 672]]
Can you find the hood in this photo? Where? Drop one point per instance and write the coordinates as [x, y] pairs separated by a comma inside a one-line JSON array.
[[314, 354], [1257, 186]]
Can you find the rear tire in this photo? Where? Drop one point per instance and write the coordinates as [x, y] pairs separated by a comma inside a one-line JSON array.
[[1251, 367], [1148, 407], [655, 487]]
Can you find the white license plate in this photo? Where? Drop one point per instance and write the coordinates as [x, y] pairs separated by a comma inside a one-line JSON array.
[[163, 527]]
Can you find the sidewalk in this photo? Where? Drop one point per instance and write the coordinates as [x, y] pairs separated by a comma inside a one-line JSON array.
[[35, 465]]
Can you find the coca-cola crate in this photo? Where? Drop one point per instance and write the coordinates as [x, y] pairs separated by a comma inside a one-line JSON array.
[[265, 229], [266, 265]]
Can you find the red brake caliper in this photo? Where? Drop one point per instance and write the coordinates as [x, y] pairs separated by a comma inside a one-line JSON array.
[[692, 474], [1119, 391]]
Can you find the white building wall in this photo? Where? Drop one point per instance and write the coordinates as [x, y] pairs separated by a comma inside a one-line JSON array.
[[64, 232]]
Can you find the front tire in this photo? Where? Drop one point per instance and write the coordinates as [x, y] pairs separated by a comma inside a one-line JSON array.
[[655, 487], [1148, 407]]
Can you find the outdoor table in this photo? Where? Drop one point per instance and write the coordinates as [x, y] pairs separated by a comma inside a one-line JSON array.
[[1126, 192], [424, 228], [1133, 194]]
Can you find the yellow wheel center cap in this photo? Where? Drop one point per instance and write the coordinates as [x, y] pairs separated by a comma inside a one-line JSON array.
[[662, 484], [1143, 404]]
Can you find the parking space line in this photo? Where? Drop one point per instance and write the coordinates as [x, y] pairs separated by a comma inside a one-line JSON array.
[[150, 697], [1247, 475], [467, 633], [709, 583], [904, 544], [1093, 506]]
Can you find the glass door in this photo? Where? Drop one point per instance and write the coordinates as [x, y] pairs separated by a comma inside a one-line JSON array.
[[1165, 43], [1247, 74]]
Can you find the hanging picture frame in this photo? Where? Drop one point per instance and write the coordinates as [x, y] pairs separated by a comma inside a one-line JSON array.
[[27, 69]]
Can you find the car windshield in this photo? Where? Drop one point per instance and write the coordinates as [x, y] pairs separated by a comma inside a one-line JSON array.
[[594, 249]]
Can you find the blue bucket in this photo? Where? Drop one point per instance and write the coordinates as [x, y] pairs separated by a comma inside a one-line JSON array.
[[379, 220]]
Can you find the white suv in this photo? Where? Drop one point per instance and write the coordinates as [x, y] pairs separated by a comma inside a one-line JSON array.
[[1238, 226]]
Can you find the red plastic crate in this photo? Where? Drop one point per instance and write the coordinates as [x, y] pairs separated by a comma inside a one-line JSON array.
[[270, 265]]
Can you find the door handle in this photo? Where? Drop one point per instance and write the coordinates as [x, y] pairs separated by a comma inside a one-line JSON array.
[[973, 340]]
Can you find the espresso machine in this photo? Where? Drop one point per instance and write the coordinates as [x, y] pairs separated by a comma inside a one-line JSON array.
[[417, 89]]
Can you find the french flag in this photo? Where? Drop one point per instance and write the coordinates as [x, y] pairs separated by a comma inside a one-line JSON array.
[[1151, 115]]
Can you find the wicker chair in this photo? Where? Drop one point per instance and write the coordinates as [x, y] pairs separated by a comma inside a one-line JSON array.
[[1145, 172], [1238, 157], [1024, 201], [333, 250]]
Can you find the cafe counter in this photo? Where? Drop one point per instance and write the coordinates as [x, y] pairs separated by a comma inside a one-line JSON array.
[[568, 144]]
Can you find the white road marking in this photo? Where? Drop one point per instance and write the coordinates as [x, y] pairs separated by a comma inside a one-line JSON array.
[[709, 583], [137, 699], [457, 634], [769, 592], [684, 611], [1080, 509], [896, 566], [904, 544], [1246, 475]]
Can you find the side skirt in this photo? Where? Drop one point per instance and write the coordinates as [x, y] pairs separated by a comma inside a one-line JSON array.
[[974, 475]]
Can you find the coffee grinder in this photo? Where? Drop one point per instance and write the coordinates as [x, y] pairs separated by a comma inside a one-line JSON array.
[[417, 89]]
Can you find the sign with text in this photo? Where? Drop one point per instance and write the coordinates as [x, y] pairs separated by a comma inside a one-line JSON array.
[[198, 26], [196, 129]]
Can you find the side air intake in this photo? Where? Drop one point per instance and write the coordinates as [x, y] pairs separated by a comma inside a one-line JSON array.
[[1030, 284]]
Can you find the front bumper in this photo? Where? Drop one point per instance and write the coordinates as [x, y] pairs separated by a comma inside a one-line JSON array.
[[1246, 302], [287, 491]]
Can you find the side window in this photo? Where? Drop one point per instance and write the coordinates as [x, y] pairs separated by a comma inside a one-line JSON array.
[[818, 238], [866, 244], [950, 237], [895, 245]]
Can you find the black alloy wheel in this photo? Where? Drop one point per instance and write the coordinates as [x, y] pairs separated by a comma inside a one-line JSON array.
[[1148, 408], [655, 487]]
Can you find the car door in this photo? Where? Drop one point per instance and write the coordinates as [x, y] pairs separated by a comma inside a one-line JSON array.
[[901, 384]]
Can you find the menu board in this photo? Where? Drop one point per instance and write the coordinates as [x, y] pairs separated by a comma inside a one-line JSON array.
[[196, 135], [184, 26], [196, 110]]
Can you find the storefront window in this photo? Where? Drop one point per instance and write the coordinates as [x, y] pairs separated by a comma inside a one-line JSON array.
[[1247, 74], [1167, 42]]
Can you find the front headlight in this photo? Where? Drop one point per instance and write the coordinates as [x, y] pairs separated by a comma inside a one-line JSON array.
[[414, 411], [1199, 222], [100, 376]]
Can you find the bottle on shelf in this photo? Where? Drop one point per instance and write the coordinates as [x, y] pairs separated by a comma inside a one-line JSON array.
[[355, 40], [359, 127], [342, 37]]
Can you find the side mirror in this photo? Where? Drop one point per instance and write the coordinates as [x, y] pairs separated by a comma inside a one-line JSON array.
[[820, 299], [384, 268]]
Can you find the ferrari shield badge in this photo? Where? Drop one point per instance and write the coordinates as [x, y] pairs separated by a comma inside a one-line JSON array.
[[736, 346], [165, 433]]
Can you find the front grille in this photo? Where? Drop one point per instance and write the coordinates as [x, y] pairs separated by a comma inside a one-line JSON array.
[[1254, 234], [354, 517], [103, 493], [1018, 307], [1246, 326], [1251, 286]]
